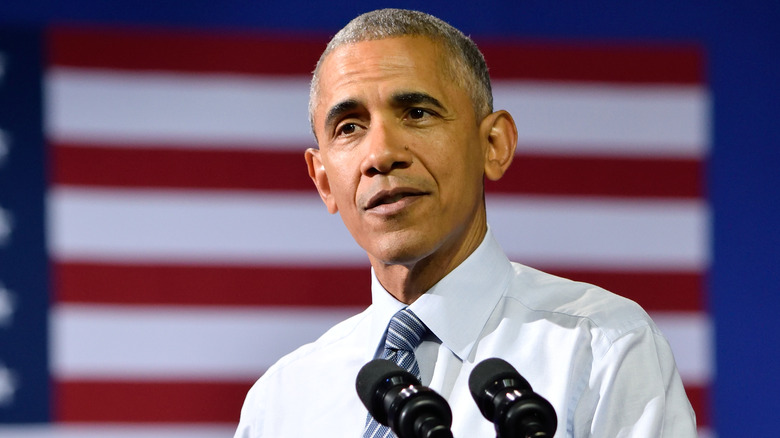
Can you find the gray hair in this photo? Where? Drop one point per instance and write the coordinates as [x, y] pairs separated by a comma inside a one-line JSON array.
[[467, 63]]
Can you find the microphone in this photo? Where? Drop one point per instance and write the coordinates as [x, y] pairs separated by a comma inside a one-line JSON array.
[[395, 398], [505, 398]]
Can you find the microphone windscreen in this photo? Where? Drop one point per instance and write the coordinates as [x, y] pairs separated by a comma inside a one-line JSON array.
[[374, 374], [492, 370]]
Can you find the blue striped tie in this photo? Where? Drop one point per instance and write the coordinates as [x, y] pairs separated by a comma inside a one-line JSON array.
[[404, 334]]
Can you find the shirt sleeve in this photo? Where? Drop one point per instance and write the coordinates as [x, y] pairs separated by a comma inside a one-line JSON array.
[[635, 391], [251, 423]]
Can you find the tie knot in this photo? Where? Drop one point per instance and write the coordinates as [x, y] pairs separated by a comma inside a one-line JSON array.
[[405, 331]]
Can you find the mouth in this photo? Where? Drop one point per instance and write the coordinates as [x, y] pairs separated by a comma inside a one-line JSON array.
[[394, 196]]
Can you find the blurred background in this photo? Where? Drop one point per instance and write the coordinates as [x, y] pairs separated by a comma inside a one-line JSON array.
[[161, 244]]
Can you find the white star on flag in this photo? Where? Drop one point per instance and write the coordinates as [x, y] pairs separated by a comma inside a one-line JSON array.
[[5, 226], [4, 148], [7, 385], [7, 306], [2, 68]]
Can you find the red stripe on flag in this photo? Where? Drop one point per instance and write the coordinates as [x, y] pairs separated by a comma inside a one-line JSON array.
[[212, 285], [188, 51], [180, 168], [194, 401], [82, 282], [699, 396], [148, 401], [203, 52], [602, 176], [654, 291], [283, 170], [617, 63]]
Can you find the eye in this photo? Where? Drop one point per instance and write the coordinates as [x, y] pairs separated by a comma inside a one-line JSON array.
[[346, 129], [417, 113]]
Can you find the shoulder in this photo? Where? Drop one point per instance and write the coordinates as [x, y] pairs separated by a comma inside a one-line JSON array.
[[325, 366], [586, 304], [337, 339]]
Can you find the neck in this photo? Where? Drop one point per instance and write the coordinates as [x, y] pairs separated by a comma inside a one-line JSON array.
[[408, 281]]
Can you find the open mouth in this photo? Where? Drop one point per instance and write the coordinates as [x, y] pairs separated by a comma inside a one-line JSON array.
[[391, 197]]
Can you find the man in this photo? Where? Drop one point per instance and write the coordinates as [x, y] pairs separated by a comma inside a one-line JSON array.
[[401, 109]]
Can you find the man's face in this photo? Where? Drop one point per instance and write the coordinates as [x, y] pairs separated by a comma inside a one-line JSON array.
[[400, 153]]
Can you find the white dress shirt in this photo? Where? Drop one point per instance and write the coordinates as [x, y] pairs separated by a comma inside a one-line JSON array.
[[597, 357]]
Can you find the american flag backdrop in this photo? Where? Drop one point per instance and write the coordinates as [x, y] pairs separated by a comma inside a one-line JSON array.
[[188, 249]]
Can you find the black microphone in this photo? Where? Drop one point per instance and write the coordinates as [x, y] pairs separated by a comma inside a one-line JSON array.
[[395, 398], [505, 398]]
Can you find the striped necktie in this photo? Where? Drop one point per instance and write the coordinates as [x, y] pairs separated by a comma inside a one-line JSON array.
[[404, 334]]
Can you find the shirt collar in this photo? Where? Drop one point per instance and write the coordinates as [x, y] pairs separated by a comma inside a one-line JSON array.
[[384, 306], [456, 308]]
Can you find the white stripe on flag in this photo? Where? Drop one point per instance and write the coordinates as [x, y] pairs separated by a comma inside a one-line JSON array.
[[260, 227], [608, 119], [109, 107], [117, 431], [617, 234], [691, 335], [195, 109], [191, 226], [134, 431], [146, 342]]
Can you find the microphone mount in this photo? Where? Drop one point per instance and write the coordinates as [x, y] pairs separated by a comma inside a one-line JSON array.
[[397, 399], [505, 398]]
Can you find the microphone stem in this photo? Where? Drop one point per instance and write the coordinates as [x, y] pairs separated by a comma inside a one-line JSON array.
[[533, 429], [433, 428]]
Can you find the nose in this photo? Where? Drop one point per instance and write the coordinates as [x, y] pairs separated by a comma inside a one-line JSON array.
[[385, 150]]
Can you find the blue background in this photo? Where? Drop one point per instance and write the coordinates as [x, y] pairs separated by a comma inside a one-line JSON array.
[[23, 259], [742, 42]]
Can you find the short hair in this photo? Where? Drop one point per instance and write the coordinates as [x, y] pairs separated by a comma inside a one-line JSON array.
[[467, 64]]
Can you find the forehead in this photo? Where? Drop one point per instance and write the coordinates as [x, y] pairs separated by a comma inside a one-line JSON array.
[[366, 69]]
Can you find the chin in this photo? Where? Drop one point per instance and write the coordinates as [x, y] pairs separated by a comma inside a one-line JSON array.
[[400, 249]]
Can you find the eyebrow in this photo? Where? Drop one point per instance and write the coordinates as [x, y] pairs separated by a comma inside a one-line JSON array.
[[415, 98], [339, 109], [399, 99]]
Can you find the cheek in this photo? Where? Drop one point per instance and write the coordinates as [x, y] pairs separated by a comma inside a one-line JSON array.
[[457, 162], [341, 173], [461, 180], [341, 191], [344, 189]]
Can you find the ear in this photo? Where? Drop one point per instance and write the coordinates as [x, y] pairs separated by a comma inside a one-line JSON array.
[[320, 177], [499, 137]]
